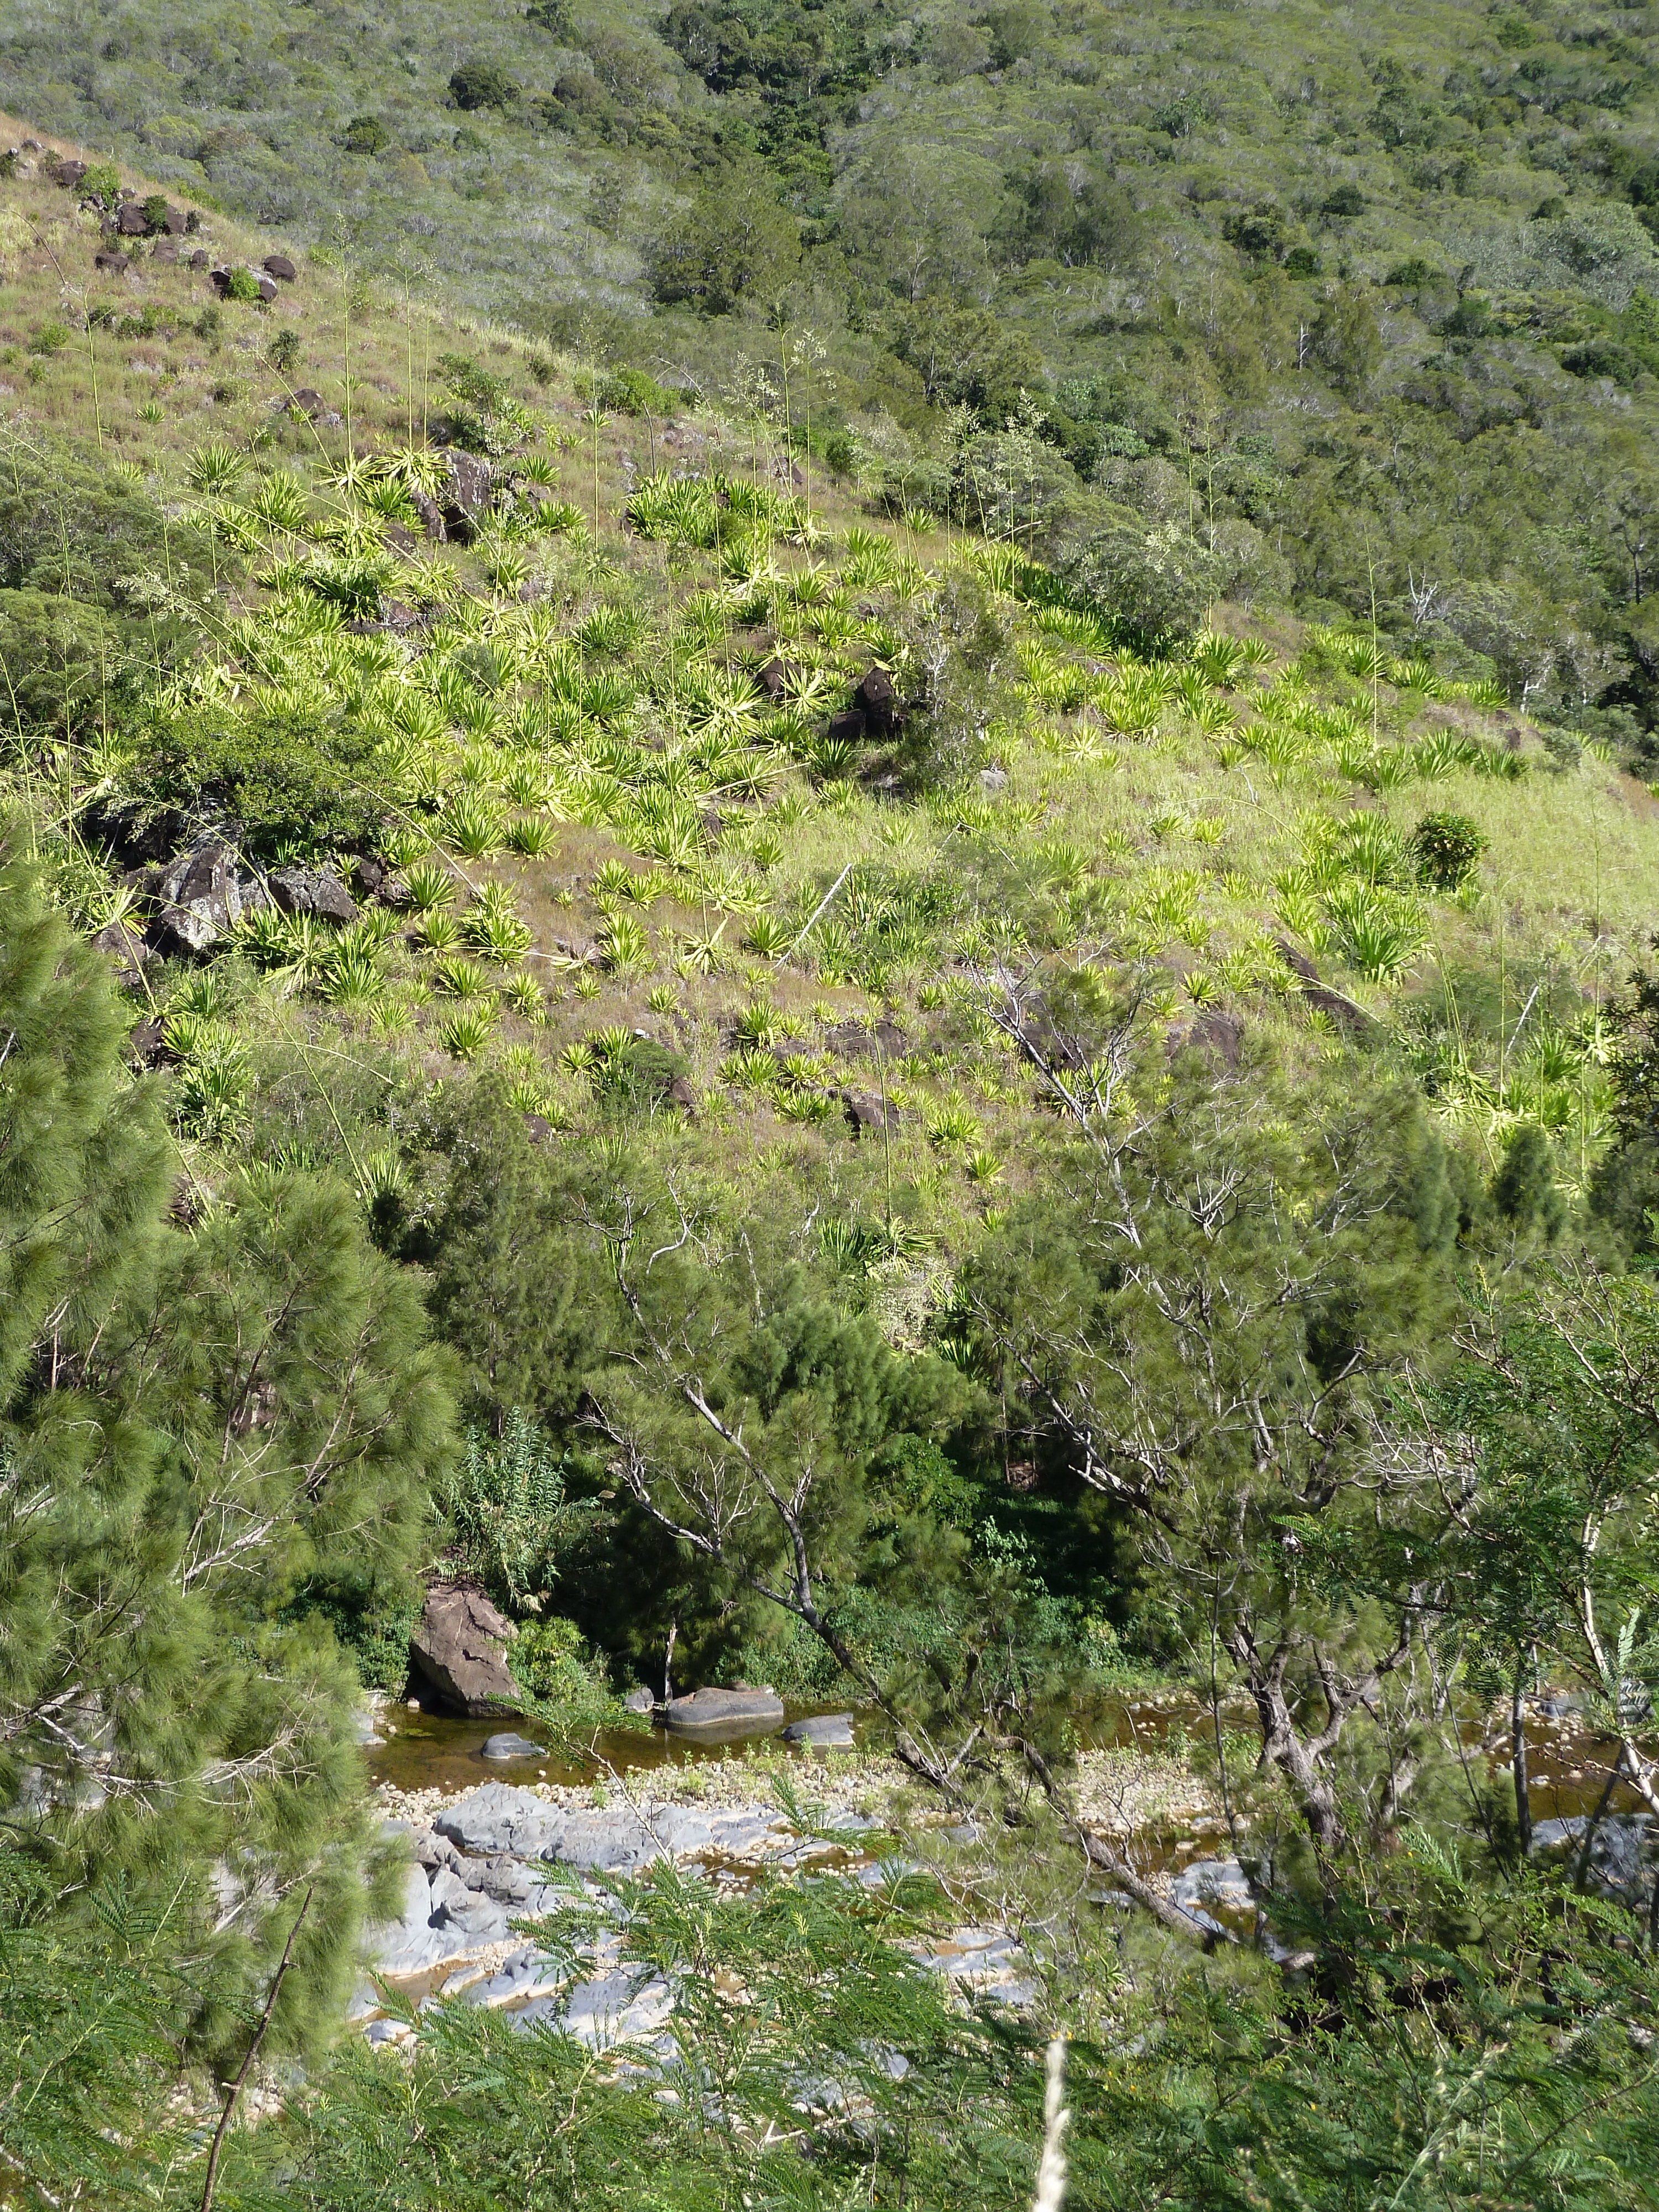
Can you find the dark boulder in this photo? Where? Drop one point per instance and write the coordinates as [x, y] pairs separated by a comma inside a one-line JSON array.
[[123, 948], [1218, 1037], [113, 263], [773, 678], [144, 1046], [866, 1114], [312, 890], [457, 1648], [177, 221], [848, 726], [131, 221], [200, 895], [199, 259], [431, 514], [680, 1093], [464, 497], [308, 403], [68, 172], [278, 264], [165, 250], [724, 1708], [879, 700]]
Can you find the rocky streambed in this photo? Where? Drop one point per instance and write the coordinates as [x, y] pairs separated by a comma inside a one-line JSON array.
[[503, 1853]]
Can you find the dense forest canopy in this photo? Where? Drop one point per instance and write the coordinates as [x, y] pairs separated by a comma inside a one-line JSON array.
[[826, 877]]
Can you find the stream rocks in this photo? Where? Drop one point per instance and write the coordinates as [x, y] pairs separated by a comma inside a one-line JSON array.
[[710, 1708], [828, 1731], [492, 1859]]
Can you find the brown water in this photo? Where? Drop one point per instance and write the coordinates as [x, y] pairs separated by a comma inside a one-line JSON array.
[[433, 1751], [1567, 1764]]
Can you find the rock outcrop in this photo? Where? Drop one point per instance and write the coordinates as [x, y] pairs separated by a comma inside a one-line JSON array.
[[458, 1649]]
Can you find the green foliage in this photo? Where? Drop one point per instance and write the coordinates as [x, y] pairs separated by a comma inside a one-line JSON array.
[[487, 418], [482, 84], [242, 284], [1448, 849], [509, 1522], [293, 781], [191, 1426], [738, 243]]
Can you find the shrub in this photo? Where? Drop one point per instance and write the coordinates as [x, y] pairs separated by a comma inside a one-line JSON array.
[[510, 1523], [1447, 849], [155, 214], [486, 418], [482, 84], [292, 781], [242, 284], [636, 391], [366, 134], [51, 338], [1161, 582], [101, 183]]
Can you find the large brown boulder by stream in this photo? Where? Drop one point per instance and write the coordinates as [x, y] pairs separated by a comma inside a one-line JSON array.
[[458, 1650]]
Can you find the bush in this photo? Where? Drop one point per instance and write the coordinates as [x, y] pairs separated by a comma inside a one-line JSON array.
[[1447, 849], [636, 391], [293, 782], [551, 1661], [51, 338], [509, 1520], [1160, 582], [101, 183], [486, 418], [242, 284], [366, 134], [481, 84], [155, 213]]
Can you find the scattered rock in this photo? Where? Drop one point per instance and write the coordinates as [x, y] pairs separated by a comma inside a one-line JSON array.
[[878, 698], [865, 1113], [495, 1819], [113, 263], [202, 894], [199, 259], [144, 1045], [431, 514], [278, 264], [830, 1731], [991, 780], [1217, 1035], [123, 948], [854, 1042], [773, 678], [469, 487], [458, 1648], [177, 221], [848, 726], [509, 1746], [67, 173], [165, 250], [711, 1708], [312, 890], [540, 1131], [131, 222], [640, 1701], [680, 1093]]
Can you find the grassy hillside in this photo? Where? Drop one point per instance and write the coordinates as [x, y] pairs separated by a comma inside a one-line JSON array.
[[1369, 307], [826, 1054], [592, 701]]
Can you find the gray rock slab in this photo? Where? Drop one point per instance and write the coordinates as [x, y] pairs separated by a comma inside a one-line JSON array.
[[711, 1708], [496, 1818], [510, 1746], [830, 1731], [475, 1915]]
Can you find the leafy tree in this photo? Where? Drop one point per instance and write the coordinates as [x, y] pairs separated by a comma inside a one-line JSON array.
[[1200, 1338], [191, 1424], [482, 84], [730, 245], [289, 781], [1159, 582]]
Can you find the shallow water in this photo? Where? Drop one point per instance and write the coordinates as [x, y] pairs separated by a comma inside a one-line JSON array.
[[433, 1751]]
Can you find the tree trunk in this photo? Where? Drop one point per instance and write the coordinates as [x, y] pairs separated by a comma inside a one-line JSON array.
[[1518, 1761]]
